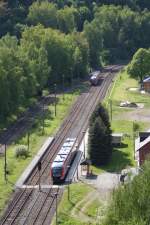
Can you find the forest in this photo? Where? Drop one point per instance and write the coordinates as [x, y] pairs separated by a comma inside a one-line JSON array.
[[44, 42]]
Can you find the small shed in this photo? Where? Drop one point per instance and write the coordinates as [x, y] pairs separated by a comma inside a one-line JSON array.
[[117, 138], [86, 164], [146, 84]]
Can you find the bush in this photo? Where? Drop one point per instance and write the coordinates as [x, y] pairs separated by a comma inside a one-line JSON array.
[[22, 151]]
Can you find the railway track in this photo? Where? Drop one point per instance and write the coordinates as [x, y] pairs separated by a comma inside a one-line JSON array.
[[25, 201]]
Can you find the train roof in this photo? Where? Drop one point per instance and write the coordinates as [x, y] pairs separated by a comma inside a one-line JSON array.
[[95, 73], [63, 152]]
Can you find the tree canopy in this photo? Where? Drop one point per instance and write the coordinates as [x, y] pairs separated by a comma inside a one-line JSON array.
[[116, 33], [140, 64], [50, 40]]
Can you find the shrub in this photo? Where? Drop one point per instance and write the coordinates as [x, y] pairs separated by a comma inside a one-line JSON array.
[[22, 151], [130, 204]]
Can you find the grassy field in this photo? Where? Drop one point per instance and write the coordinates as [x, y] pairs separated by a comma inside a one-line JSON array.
[[15, 165], [69, 212], [123, 157]]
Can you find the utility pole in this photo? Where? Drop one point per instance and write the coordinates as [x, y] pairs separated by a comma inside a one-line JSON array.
[[84, 143], [28, 140], [63, 78], [5, 166], [43, 117], [110, 104], [55, 194], [55, 97], [133, 139], [39, 169], [68, 190], [71, 74]]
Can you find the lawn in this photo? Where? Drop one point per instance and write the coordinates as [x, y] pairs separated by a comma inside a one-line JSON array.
[[123, 157], [122, 92], [15, 165], [69, 210]]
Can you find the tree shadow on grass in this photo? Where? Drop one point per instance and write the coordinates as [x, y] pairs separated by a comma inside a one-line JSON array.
[[119, 161], [123, 145]]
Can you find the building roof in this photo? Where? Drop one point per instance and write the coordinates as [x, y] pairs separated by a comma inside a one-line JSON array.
[[146, 79], [139, 145], [85, 162]]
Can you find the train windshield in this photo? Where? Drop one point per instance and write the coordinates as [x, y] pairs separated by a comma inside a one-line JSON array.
[[57, 171]]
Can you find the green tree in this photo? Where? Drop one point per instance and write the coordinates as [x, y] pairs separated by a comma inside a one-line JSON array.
[[94, 37], [34, 60], [101, 112], [84, 15], [11, 92], [58, 48], [43, 12], [81, 47], [100, 148], [140, 64], [66, 19]]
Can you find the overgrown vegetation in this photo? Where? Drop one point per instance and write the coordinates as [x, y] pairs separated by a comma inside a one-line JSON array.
[[130, 203], [21, 151]]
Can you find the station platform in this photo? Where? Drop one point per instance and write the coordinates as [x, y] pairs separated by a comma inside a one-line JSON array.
[[33, 163]]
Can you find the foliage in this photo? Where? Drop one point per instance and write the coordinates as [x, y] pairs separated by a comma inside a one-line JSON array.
[[43, 12], [101, 112], [61, 50], [11, 89], [116, 33], [140, 64], [100, 148], [130, 204], [94, 38], [136, 127], [66, 19], [42, 57], [13, 12], [22, 151]]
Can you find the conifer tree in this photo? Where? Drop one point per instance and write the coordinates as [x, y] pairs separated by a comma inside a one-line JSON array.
[[100, 148]]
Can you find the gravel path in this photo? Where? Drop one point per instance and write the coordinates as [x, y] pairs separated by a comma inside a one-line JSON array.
[[142, 115]]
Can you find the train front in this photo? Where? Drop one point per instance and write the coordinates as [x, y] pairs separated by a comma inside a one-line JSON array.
[[57, 171]]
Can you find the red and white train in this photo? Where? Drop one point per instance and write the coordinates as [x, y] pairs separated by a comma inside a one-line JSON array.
[[63, 160]]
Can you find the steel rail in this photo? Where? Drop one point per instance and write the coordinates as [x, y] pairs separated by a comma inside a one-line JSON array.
[[57, 146]]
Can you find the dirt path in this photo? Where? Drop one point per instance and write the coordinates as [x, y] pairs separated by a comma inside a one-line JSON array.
[[80, 208], [102, 186]]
